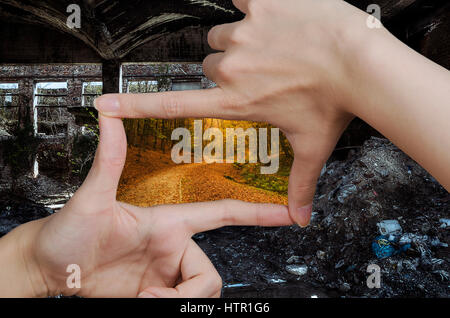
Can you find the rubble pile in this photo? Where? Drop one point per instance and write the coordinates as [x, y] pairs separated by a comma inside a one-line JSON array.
[[378, 208], [376, 183]]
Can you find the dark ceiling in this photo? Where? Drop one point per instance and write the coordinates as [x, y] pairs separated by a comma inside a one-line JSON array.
[[114, 29]]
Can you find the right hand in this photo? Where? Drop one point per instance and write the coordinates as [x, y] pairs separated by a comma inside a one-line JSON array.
[[289, 65]]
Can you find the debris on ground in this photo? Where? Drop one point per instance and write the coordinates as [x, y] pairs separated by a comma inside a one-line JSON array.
[[298, 270], [389, 227], [374, 184], [444, 223], [385, 246]]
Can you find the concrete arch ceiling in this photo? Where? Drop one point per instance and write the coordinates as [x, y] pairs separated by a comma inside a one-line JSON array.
[[115, 28]]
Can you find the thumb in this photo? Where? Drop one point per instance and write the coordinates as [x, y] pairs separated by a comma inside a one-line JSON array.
[[160, 292], [204, 285], [194, 288], [148, 294], [199, 278], [311, 152], [302, 186], [104, 176]]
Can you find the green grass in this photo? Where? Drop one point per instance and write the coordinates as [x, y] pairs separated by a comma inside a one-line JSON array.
[[278, 182]]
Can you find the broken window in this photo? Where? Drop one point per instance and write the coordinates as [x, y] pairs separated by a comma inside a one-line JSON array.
[[164, 83], [186, 84], [9, 108], [9, 94], [142, 86], [51, 117], [91, 90]]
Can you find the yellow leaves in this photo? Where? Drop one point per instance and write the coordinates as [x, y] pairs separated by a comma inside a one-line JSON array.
[[151, 178]]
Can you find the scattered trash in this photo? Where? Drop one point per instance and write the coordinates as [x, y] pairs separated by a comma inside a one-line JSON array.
[[345, 287], [384, 248], [437, 243], [442, 274], [421, 242], [314, 215], [339, 264], [437, 261], [445, 223], [389, 227], [257, 257], [320, 255], [410, 265], [276, 281], [298, 270], [412, 238], [346, 192], [238, 285], [293, 259]]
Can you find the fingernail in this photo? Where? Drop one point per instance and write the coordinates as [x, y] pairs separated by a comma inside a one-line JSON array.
[[107, 104], [146, 295], [304, 215]]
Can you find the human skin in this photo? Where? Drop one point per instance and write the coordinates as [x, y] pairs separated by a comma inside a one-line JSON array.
[[122, 250], [309, 67]]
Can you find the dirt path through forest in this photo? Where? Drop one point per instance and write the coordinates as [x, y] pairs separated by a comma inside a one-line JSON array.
[[151, 178]]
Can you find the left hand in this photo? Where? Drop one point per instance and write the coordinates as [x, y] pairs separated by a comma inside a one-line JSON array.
[[123, 250]]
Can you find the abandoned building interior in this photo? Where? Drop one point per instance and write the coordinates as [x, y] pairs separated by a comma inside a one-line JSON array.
[[50, 75], [59, 101]]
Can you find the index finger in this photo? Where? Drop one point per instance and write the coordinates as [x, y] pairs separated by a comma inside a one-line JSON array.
[[205, 216], [210, 103]]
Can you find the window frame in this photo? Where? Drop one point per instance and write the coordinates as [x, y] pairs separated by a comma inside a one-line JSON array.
[[36, 106], [10, 94], [83, 94]]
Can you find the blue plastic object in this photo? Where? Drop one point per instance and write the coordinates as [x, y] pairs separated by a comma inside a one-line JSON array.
[[383, 248]]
